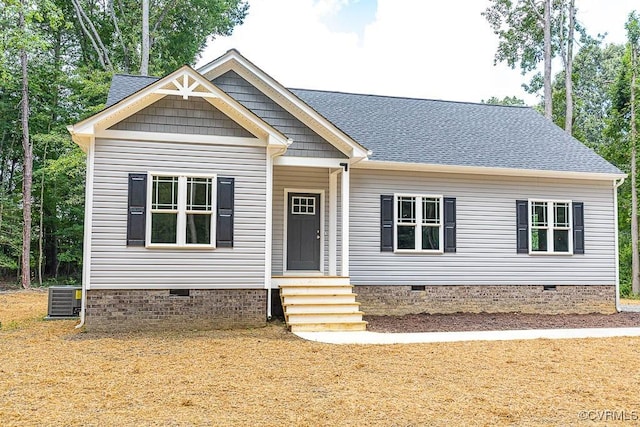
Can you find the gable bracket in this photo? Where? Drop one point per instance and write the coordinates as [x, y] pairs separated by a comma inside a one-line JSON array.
[[185, 88]]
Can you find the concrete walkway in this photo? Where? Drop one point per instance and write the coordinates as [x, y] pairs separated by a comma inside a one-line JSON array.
[[367, 337]]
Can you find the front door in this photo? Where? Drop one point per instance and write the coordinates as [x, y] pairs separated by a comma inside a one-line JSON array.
[[303, 231]]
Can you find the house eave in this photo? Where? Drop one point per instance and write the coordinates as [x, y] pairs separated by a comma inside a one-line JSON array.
[[202, 87], [482, 170], [233, 60]]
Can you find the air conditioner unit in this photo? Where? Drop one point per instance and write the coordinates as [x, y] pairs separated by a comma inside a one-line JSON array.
[[64, 301]]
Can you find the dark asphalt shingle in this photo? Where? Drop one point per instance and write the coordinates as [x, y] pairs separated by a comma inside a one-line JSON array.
[[437, 132], [454, 133], [123, 85]]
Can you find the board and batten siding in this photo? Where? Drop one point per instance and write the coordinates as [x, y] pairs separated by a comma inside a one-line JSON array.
[[115, 265], [486, 232], [306, 142], [290, 177]]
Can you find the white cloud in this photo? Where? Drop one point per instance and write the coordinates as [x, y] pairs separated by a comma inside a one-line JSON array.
[[417, 48]]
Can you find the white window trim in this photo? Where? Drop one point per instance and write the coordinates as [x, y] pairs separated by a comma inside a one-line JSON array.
[[181, 211], [550, 226], [418, 215]]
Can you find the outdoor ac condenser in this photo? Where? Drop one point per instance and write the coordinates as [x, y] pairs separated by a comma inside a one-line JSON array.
[[64, 301]]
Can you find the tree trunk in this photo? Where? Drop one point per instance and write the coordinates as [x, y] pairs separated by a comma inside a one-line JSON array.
[[41, 219], [144, 57], [568, 74], [548, 110], [635, 257], [28, 164]]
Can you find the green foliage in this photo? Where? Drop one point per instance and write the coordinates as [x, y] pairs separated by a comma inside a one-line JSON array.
[[68, 84], [507, 100], [179, 30]]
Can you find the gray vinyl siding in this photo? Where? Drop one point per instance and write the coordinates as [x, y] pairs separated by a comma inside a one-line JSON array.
[[306, 142], [486, 232], [173, 114], [113, 264], [285, 177]]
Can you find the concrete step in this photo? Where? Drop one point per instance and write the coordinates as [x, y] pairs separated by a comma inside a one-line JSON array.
[[322, 307], [292, 299], [324, 317], [333, 326], [324, 289]]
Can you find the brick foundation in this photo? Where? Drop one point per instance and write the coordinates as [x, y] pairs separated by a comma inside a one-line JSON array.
[[399, 300], [127, 310]]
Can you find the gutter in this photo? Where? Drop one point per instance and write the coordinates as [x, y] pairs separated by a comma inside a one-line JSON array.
[[616, 185]]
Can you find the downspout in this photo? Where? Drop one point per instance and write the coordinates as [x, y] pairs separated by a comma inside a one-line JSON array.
[[617, 185], [271, 154], [86, 255]]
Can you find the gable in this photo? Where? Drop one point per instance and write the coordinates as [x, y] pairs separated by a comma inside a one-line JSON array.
[[172, 114], [230, 118], [306, 142]]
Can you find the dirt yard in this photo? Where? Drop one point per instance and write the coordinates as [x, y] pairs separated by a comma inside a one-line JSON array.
[[51, 374]]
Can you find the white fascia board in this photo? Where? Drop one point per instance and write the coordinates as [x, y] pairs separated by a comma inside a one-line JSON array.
[[233, 60], [152, 93], [309, 162], [179, 137], [480, 170]]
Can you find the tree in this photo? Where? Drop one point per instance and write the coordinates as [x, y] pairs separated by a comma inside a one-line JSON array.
[[531, 31], [633, 37], [173, 32], [27, 166], [507, 100]]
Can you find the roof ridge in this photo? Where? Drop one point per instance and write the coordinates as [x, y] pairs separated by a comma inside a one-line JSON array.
[[136, 75], [409, 98]]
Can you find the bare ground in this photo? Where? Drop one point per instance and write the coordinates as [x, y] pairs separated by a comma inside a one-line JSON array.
[[498, 322], [52, 374]]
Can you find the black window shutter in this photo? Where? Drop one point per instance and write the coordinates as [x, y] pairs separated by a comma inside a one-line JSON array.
[[578, 227], [449, 224], [522, 223], [224, 227], [137, 206], [386, 223]]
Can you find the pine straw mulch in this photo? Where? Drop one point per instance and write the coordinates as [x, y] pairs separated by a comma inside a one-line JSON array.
[[52, 374]]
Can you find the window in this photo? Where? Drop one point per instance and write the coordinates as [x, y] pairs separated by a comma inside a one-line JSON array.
[[182, 210], [303, 205], [550, 225], [418, 223]]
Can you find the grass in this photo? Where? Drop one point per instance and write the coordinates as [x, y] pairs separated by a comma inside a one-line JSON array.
[[52, 374]]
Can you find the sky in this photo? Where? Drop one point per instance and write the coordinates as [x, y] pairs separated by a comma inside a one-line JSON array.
[[435, 49]]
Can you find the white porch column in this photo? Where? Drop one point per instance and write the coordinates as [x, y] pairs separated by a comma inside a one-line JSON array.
[[345, 221], [333, 222]]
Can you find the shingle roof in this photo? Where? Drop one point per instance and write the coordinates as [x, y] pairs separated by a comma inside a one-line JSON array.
[[437, 132], [454, 133], [123, 85]]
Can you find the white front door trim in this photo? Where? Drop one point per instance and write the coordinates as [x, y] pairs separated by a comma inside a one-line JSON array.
[[284, 234]]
